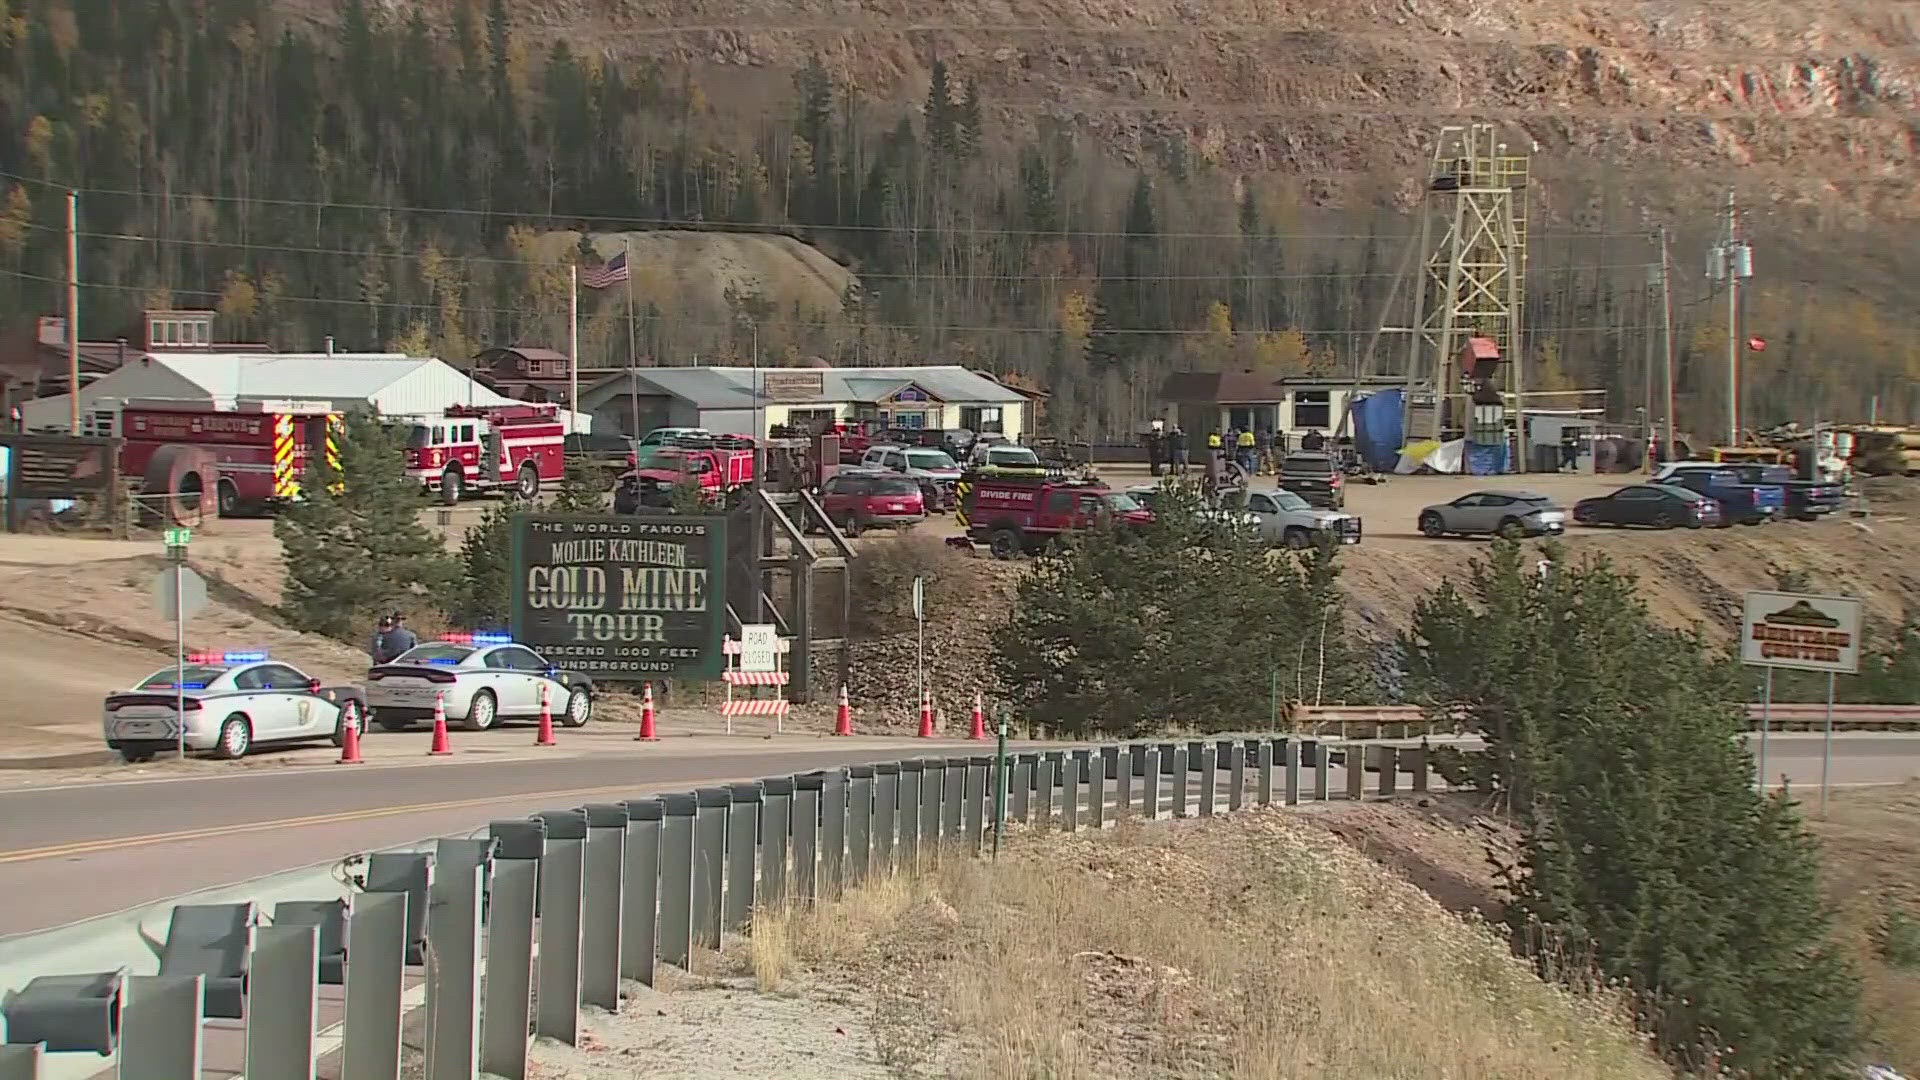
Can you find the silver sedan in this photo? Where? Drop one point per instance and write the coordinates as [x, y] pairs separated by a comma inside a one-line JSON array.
[[1495, 513]]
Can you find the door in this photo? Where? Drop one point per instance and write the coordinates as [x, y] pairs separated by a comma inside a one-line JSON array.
[[273, 716], [520, 674], [1638, 505], [1263, 507], [1056, 512]]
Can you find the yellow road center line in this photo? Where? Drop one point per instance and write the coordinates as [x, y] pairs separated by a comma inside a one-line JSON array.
[[87, 847]]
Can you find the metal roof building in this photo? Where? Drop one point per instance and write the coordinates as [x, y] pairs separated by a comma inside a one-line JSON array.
[[391, 383], [723, 399]]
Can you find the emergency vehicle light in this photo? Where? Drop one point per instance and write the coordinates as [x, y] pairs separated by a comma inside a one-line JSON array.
[[227, 657], [462, 637]]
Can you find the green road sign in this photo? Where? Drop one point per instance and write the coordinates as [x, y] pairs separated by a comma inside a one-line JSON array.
[[177, 537]]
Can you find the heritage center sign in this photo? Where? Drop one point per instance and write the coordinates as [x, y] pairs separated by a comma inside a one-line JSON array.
[[638, 597]]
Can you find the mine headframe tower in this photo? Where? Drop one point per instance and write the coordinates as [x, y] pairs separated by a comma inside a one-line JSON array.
[[1470, 292]]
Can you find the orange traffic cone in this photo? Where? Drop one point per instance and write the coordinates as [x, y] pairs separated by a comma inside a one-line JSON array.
[[843, 720], [646, 716], [350, 742], [926, 716], [442, 746], [979, 718], [545, 738]]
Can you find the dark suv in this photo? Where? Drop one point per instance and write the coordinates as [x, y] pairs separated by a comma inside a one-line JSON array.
[[1315, 478]]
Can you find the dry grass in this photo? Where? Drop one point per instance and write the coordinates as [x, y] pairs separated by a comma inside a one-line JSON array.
[[1870, 849], [1249, 947]]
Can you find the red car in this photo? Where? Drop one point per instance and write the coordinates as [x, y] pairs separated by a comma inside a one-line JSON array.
[[857, 499]]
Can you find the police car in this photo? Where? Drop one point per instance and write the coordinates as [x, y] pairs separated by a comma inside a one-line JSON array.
[[231, 702], [479, 679]]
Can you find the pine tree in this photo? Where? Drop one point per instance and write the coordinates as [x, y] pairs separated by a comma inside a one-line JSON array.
[[942, 136], [1617, 745], [486, 588], [354, 553], [583, 489]]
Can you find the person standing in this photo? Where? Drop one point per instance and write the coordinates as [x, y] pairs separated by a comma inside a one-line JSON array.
[[396, 641], [378, 646], [1247, 444], [1177, 450]]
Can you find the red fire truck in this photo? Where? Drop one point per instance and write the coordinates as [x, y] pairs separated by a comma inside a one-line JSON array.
[[261, 450], [484, 448]]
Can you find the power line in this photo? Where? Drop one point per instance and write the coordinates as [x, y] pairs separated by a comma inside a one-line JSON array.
[[738, 226], [822, 324], [862, 275]]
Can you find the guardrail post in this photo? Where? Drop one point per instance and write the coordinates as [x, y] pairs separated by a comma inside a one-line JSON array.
[[1209, 769], [1317, 756], [776, 817], [806, 836], [833, 832], [557, 996], [908, 811], [160, 1027], [1288, 752], [603, 882], [1179, 764], [1150, 783], [1416, 759], [1389, 770], [953, 799], [886, 810], [709, 862], [1049, 783], [453, 989], [1020, 788], [20, 1061], [1236, 775], [1354, 755], [1106, 768], [859, 822], [520, 846], [976, 796], [1072, 776], [1263, 761], [377, 942], [283, 1000], [743, 840], [933, 778], [1130, 759], [678, 868], [640, 891]]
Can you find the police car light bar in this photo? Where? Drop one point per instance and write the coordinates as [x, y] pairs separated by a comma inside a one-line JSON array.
[[461, 637], [250, 657]]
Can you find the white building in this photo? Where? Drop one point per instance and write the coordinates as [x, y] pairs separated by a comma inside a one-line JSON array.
[[390, 383], [723, 399]]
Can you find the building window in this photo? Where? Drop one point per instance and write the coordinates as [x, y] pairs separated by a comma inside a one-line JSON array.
[[810, 421], [98, 423], [202, 332], [982, 419], [1313, 409]]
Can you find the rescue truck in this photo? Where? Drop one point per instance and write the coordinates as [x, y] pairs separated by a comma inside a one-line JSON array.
[[1022, 514], [471, 449], [720, 464], [260, 449]]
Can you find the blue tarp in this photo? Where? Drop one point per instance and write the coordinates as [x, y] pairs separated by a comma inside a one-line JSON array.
[[1488, 459], [1379, 428]]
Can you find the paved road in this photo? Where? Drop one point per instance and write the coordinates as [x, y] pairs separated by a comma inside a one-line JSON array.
[[72, 852]]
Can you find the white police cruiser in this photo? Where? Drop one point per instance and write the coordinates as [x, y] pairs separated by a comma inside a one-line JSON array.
[[231, 702], [479, 679]]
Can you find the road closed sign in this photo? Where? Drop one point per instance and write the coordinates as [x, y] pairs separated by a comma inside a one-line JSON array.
[[622, 598], [1801, 630]]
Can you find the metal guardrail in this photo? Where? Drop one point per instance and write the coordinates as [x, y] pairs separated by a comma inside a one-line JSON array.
[[520, 929], [1410, 721]]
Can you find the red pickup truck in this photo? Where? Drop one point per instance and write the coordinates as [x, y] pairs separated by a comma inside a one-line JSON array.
[[719, 471], [1012, 514]]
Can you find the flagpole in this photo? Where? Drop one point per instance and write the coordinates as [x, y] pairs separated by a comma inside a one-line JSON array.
[[633, 351], [573, 345]]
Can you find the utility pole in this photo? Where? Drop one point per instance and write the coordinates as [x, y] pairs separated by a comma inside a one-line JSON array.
[[573, 347], [1666, 321], [73, 311], [1731, 261]]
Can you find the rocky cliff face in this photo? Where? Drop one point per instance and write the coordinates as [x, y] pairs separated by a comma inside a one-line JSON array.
[[1796, 104]]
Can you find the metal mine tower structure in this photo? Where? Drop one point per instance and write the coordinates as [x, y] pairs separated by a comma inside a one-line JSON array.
[[1471, 291]]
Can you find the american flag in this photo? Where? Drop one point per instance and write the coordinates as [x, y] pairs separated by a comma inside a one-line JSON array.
[[599, 277]]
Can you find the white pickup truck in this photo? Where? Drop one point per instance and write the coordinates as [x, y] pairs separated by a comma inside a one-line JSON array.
[[1286, 518]]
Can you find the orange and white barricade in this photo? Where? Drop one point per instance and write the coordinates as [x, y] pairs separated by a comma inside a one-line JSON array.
[[757, 658]]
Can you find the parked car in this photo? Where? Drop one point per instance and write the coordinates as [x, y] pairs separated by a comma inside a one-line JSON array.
[[1316, 478], [933, 469], [231, 702], [1495, 513], [859, 499], [667, 436], [1005, 458], [1286, 518], [1748, 504], [1807, 500], [479, 679], [1661, 506]]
